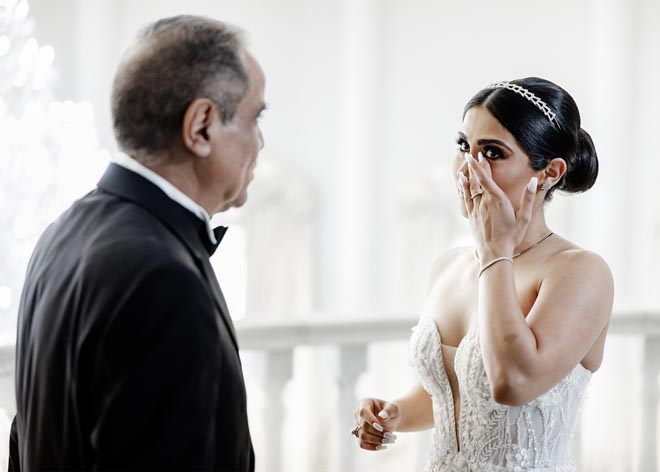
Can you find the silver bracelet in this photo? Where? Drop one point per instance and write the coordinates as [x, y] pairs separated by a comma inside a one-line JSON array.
[[493, 262]]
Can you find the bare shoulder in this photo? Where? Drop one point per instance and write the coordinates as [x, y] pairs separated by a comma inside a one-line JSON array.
[[450, 260], [575, 262], [583, 280]]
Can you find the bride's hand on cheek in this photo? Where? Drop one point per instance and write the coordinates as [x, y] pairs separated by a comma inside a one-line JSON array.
[[496, 227]]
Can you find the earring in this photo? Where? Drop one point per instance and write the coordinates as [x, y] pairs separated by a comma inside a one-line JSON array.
[[545, 187]]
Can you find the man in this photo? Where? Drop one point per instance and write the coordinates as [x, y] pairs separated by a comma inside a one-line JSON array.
[[126, 354]]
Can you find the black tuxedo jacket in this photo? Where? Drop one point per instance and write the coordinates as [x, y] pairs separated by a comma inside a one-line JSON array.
[[126, 356]]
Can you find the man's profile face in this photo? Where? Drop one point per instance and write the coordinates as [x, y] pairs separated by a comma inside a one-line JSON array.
[[240, 140]]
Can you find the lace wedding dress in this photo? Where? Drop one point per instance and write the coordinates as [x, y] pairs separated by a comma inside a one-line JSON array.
[[492, 437]]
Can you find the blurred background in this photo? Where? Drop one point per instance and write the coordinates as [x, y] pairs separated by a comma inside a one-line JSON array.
[[326, 268]]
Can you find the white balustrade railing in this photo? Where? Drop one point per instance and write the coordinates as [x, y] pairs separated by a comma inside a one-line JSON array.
[[275, 343], [352, 338]]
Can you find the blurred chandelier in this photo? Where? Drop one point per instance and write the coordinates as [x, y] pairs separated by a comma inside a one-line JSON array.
[[45, 146]]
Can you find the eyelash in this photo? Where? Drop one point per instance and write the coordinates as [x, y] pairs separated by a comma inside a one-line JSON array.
[[487, 149]]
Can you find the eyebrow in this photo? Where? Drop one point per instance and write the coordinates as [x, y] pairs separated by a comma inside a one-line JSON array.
[[483, 142]]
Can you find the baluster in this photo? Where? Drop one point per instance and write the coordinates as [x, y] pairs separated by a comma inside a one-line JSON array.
[[649, 404], [352, 363], [278, 370]]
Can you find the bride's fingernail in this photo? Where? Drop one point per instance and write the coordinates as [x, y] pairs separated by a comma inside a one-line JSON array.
[[383, 414], [480, 156], [389, 435], [387, 441], [378, 427], [381, 448], [464, 179], [533, 184], [469, 158]]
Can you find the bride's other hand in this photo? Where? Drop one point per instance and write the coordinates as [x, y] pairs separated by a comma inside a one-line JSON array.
[[377, 419], [496, 226]]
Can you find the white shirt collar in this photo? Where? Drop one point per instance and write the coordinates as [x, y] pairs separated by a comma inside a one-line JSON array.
[[170, 190]]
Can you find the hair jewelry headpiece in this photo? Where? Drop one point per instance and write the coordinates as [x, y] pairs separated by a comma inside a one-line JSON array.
[[522, 91]]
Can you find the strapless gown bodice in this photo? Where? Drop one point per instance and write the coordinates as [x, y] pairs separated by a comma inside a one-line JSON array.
[[533, 437]]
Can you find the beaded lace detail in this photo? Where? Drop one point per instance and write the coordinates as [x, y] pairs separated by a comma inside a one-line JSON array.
[[533, 437]]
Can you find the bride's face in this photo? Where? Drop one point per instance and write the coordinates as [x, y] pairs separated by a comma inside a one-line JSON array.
[[481, 132]]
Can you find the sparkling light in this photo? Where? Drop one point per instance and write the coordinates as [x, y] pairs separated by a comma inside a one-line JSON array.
[[28, 54], [22, 10], [42, 67], [5, 297], [24, 227], [20, 79], [7, 4], [4, 45], [46, 147]]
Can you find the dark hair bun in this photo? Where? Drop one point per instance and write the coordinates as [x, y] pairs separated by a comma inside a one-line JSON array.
[[583, 167]]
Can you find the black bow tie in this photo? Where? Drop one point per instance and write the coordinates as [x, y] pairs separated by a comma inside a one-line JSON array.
[[219, 233]]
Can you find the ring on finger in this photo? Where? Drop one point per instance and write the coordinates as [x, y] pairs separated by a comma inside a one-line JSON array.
[[476, 194], [356, 431]]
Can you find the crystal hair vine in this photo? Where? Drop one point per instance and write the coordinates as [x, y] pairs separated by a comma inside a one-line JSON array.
[[523, 92]]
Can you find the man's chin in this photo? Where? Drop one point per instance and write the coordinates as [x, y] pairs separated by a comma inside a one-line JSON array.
[[240, 200]]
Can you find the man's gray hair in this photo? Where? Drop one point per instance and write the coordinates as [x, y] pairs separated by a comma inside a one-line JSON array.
[[175, 61]]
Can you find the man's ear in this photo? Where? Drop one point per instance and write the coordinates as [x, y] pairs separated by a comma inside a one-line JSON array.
[[197, 120], [554, 171]]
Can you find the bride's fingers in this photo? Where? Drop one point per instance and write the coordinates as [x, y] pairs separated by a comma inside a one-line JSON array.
[[524, 214], [372, 447], [389, 412], [481, 175], [475, 186], [485, 165], [367, 420], [374, 442], [459, 184], [369, 438], [465, 190]]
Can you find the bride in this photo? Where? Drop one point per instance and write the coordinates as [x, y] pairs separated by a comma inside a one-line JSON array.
[[515, 326]]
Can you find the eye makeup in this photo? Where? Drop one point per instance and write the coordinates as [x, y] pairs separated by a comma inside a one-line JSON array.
[[491, 148]]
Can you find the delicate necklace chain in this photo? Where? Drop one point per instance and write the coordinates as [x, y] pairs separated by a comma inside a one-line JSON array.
[[532, 246], [521, 252]]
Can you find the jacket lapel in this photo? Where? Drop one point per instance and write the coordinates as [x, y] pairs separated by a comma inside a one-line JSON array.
[[186, 226], [212, 280]]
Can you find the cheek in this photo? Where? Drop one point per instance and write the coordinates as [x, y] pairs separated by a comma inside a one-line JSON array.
[[499, 177], [512, 185], [504, 176], [253, 144]]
